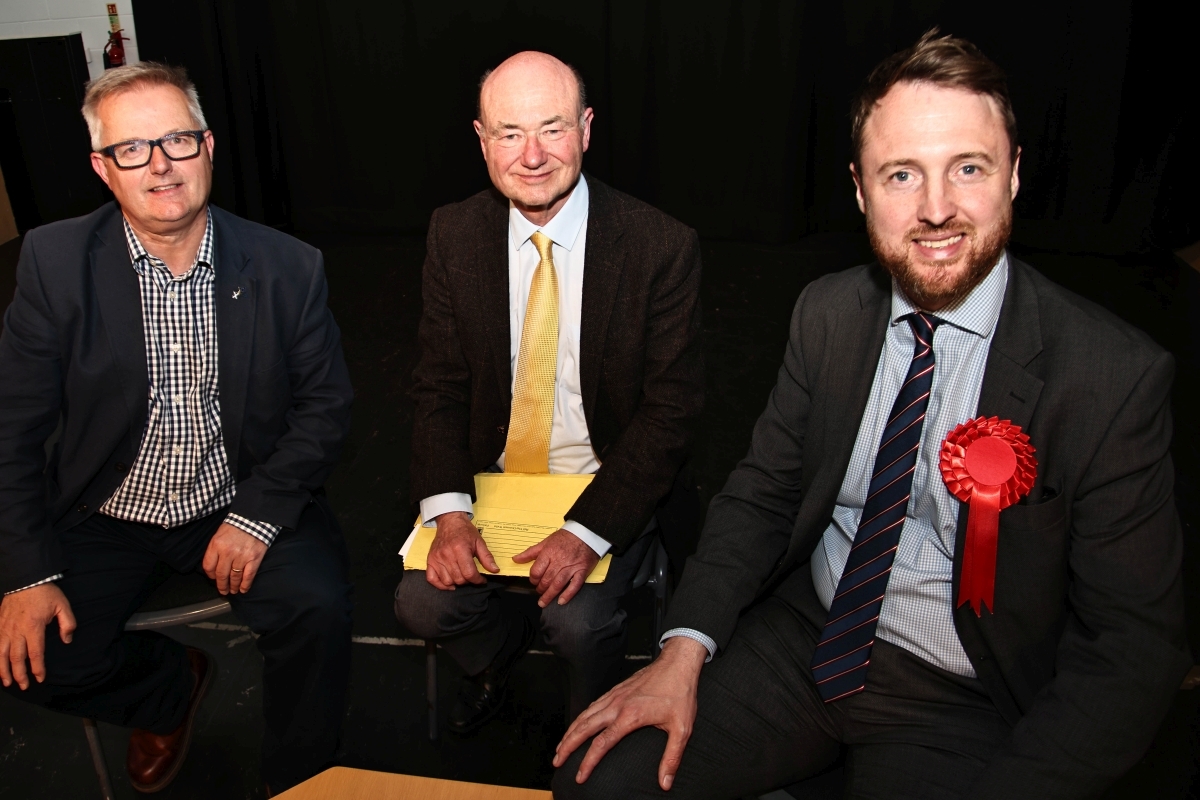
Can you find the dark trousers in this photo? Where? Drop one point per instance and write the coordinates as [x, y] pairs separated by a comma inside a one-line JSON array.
[[299, 606], [917, 731], [588, 634]]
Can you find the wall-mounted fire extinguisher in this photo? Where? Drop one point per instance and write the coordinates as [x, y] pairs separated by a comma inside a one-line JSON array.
[[114, 51]]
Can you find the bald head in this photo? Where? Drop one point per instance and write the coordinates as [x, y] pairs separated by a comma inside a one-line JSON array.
[[534, 127], [532, 68]]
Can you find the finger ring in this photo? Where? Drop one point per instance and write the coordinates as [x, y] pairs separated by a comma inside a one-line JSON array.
[[234, 569]]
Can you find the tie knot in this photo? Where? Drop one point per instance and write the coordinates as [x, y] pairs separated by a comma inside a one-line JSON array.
[[542, 242], [924, 324]]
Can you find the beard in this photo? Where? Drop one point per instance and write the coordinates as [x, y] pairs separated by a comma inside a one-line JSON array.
[[933, 285]]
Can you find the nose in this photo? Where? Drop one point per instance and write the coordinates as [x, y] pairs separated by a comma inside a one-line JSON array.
[[533, 155], [159, 163], [938, 204]]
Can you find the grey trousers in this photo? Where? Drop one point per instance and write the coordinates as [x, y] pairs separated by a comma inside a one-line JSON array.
[[917, 731], [588, 634]]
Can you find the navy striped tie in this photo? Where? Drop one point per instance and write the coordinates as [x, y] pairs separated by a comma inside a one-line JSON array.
[[840, 662]]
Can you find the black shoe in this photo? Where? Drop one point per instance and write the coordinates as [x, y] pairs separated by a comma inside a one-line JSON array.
[[482, 695]]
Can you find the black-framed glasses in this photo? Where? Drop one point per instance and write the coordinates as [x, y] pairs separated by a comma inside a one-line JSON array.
[[178, 146]]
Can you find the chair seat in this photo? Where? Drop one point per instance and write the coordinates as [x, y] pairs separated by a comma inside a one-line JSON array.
[[179, 590]]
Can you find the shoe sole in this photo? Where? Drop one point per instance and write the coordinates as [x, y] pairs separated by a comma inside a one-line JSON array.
[[165, 780]]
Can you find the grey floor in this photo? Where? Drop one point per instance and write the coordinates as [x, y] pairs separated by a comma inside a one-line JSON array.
[[374, 283]]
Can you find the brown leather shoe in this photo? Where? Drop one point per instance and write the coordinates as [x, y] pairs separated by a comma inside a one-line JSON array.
[[153, 761]]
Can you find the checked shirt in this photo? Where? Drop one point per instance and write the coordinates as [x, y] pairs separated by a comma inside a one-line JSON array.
[[180, 473]]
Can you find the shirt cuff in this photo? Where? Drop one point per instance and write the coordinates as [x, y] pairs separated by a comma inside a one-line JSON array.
[[601, 546], [39, 583], [265, 532], [695, 636], [436, 505]]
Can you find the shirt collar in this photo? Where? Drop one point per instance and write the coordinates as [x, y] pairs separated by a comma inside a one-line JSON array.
[[976, 313], [140, 258], [563, 230]]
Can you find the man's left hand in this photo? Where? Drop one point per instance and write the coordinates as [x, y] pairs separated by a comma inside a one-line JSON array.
[[561, 562], [232, 559]]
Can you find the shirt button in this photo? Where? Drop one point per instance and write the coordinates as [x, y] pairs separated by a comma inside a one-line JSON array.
[[177, 398], [174, 496], [174, 347], [171, 295], [177, 449]]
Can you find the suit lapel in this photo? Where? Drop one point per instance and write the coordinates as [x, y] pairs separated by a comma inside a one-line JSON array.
[[235, 298], [491, 264], [119, 296], [603, 262], [855, 343], [1009, 391]]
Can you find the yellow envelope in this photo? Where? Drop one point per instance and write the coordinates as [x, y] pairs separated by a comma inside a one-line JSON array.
[[513, 513]]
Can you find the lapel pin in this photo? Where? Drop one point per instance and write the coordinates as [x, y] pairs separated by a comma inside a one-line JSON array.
[[238, 293]]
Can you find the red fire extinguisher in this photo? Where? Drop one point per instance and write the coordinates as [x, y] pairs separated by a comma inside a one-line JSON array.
[[114, 51]]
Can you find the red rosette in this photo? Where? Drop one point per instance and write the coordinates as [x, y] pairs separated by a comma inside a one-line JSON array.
[[988, 463]]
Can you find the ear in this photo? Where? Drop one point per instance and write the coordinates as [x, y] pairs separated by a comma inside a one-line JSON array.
[[858, 188], [482, 139], [209, 143], [100, 167], [586, 121], [1015, 181]]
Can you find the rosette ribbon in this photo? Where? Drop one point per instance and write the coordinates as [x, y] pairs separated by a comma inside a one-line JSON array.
[[988, 463]]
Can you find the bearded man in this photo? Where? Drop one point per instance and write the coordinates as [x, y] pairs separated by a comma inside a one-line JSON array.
[[970, 619]]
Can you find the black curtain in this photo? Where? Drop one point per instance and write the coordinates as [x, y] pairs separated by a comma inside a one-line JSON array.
[[732, 116]]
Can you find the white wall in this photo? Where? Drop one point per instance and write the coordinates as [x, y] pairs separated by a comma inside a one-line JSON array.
[[21, 19]]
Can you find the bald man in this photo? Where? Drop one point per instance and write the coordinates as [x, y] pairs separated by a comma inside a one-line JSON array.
[[560, 334]]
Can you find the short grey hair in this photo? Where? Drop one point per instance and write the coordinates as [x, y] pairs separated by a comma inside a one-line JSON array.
[[123, 79]]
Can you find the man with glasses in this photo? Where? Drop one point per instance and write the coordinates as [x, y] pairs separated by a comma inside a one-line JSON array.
[[560, 333], [196, 378]]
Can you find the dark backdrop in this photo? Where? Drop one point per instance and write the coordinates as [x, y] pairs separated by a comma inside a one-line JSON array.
[[354, 116]]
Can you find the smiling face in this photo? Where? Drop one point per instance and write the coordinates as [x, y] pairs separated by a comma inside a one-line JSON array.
[[165, 196], [936, 181], [533, 133]]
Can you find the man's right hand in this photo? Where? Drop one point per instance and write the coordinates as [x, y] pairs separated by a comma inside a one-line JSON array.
[[451, 560], [662, 694], [24, 616]]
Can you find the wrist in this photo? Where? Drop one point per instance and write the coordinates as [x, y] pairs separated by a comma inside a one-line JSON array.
[[451, 517], [685, 653]]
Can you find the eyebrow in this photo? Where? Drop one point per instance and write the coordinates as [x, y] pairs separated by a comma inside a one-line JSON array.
[[973, 155], [512, 126]]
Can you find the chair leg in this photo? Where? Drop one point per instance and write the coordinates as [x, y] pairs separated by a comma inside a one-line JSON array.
[[431, 690], [93, 739]]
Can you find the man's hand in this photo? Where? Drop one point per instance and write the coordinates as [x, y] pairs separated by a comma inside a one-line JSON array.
[[561, 563], [24, 616], [232, 559], [456, 545], [662, 694]]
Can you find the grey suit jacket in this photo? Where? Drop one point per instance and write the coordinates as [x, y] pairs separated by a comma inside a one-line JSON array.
[[1087, 643]]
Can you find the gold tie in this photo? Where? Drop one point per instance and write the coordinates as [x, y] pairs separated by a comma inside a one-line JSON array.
[[528, 446]]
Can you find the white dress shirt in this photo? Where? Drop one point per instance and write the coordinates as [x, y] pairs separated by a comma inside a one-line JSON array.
[[918, 605], [570, 444]]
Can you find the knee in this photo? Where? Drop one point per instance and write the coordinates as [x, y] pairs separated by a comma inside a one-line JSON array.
[[322, 605], [427, 612], [579, 629]]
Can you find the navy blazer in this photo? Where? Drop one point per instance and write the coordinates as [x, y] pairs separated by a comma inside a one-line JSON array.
[[73, 356]]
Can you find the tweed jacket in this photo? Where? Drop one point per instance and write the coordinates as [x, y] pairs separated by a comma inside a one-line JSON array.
[[641, 369], [1087, 644]]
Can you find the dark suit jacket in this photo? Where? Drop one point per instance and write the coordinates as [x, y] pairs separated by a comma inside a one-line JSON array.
[[640, 367], [1087, 645], [73, 348]]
